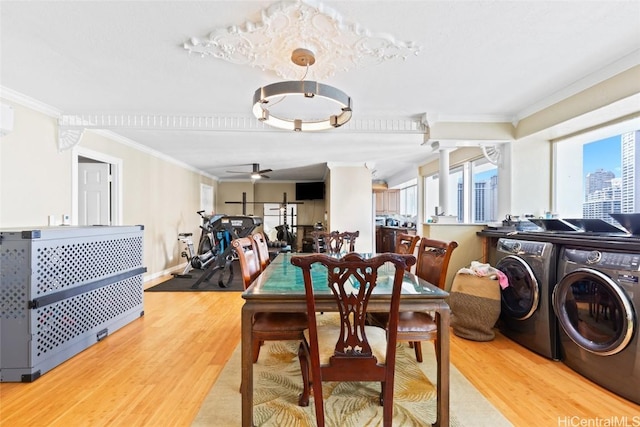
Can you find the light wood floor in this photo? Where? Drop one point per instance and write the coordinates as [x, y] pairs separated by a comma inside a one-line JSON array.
[[157, 370]]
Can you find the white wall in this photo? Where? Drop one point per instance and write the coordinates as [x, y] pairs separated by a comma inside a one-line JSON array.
[[36, 181], [351, 203], [530, 177]]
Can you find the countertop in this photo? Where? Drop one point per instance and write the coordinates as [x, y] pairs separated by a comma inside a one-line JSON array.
[[396, 228], [614, 242]]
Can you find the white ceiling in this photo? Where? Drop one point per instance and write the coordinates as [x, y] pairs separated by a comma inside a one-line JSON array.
[[479, 61]]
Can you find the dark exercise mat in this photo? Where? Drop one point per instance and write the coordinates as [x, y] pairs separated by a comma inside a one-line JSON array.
[[184, 284]]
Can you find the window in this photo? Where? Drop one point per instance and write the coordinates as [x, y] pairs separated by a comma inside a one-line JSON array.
[[485, 191], [455, 201], [473, 192], [274, 215], [598, 173], [409, 198]]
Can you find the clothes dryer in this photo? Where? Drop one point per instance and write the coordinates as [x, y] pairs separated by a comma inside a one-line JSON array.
[[597, 303], [526, 313]]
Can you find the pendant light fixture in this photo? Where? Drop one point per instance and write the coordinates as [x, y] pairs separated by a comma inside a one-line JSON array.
[[267, 96]]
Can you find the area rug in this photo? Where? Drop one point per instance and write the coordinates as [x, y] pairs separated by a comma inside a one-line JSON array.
[[184, 284], [277, 383]]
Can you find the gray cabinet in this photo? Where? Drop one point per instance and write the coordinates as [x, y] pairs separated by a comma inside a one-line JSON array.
[[62, 289]]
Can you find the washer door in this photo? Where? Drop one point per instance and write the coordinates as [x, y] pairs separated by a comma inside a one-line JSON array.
[[521, 298], [594, 311]]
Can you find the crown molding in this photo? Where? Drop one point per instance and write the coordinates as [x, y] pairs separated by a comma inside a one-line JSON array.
[[226, 123], [625, 63], [26, 101], [146, 150]]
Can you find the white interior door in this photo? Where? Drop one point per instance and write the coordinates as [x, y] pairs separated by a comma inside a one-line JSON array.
[[94, 206]]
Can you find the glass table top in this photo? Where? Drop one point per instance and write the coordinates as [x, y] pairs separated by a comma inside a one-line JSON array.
[[283, 278]]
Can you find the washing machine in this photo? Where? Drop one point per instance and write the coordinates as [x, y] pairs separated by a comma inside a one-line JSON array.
[[527, 315], [597, 303]]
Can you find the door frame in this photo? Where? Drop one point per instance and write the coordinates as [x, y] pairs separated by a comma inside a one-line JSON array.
[[116, 183]]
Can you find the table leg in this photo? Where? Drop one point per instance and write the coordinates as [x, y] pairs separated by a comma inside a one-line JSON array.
[[247, 367], [442, 319]]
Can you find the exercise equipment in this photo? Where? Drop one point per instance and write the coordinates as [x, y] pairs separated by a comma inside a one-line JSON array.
[[204, 255], [283, 231], [224, 229]]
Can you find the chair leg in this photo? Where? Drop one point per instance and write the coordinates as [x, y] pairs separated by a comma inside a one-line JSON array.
[[417, 346], [303, 399], [255, 348], [319, 402], [387, 408]]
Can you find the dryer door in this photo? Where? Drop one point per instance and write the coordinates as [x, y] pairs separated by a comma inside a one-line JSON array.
[[594, 311], [521, 298]]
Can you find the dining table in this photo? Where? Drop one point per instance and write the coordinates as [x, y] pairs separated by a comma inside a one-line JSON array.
[[280, 288]]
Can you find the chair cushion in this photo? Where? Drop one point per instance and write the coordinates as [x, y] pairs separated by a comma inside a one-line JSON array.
[[328, 336], [416, 321], [279, 322], [408, 321]]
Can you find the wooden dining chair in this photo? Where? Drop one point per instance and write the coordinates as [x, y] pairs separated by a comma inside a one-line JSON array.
[[334, 242], [432, 266], [263, 249], [266, 326], [406, 243], [433, 263], [351, 350]]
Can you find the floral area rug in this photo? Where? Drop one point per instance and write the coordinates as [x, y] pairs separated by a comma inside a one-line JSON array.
[[278, 382]]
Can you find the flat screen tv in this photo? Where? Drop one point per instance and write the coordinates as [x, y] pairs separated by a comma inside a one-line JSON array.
[[309, 190]]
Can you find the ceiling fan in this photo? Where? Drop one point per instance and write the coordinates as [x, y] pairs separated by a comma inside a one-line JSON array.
[[256, 173]]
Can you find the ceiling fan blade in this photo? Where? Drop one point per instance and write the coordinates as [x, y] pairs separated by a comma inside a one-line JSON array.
[[255, 171]]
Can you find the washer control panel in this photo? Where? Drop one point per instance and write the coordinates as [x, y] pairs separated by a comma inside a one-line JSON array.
[[523, 247], [601, 259]]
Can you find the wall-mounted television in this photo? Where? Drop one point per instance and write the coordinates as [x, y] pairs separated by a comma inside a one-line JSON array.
[[309, 190]]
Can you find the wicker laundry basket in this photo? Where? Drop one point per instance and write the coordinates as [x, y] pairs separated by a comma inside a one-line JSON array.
[[475, 306]]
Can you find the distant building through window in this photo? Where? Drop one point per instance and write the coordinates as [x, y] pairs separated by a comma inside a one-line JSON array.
[[473, 192], [612, 187]]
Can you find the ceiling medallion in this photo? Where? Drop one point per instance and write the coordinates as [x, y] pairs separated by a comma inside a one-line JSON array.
[[305, 91], [341, 45]]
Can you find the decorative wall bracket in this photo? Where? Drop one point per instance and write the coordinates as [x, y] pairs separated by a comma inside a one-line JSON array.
[[493, 153], [339, 45], [68, 137]]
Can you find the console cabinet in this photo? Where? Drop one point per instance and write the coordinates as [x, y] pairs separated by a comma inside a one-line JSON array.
[[62, 289]]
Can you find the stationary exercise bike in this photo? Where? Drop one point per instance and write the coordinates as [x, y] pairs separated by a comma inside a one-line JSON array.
[[224, 229], [207, 246]]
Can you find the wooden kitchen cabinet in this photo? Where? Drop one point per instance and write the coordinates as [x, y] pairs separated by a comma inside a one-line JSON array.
[[387, 202], [386, 237]]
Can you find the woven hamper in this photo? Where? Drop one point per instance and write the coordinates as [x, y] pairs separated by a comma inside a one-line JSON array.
[[475, 306]]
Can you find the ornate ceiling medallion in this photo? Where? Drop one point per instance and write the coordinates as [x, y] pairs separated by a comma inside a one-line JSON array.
[[339, 45]]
